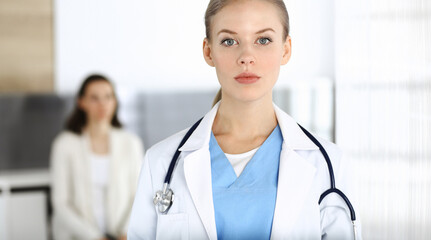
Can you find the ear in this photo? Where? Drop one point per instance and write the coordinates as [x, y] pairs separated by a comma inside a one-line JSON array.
[[207, 52], [287, 50]]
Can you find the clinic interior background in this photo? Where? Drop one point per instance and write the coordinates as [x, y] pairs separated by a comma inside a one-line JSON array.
[[360, 74]]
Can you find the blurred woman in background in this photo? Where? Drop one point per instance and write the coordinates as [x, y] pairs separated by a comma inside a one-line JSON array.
[[95, 166]]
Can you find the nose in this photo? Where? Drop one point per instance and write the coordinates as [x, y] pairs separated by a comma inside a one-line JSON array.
[[246, 61], [103, 102], [246, 58]]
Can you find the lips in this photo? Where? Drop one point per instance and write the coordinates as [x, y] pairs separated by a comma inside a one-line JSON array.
[[247, 78]]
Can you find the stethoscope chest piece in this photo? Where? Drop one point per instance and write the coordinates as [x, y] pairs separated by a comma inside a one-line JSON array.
[[163, 199]]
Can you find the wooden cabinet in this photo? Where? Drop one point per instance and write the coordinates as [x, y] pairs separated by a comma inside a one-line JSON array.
[[26, 46]]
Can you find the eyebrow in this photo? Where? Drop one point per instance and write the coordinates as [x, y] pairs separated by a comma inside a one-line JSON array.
[[232, 32], [264, 30], [226, 31]]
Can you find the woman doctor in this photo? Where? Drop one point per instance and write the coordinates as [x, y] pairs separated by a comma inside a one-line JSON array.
[[247, 171]]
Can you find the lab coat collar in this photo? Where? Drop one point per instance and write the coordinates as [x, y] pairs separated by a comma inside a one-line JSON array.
[[293, 136], [296, 174], [201, 135]]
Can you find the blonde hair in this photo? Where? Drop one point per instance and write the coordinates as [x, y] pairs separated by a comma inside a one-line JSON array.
[[217, 97], [214, 6]]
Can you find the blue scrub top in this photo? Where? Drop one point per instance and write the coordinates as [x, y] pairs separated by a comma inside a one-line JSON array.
[[244, 206]]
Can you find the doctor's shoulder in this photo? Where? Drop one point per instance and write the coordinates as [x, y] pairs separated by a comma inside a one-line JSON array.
[[333, 150], [335, 213], [338, 162], [335, 154], [342, 167]]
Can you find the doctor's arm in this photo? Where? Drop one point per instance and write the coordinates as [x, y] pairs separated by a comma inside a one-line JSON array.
[[143, 219], [62, 193], [335, 215]]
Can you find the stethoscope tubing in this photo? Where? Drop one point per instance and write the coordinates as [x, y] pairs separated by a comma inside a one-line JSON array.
[[325, 155], [332, 189], [177, 153], [344, 197]]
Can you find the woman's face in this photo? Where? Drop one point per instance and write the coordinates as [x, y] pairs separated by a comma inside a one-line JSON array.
[[247, 49], [98, 102]]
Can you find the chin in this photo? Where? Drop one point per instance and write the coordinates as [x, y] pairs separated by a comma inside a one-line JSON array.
[[250, 96], [250, 93]]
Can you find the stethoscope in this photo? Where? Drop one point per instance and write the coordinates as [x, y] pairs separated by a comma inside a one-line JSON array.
[[164, 198]]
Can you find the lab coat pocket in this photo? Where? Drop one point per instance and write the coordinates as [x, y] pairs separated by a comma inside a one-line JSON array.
[[173, 226]]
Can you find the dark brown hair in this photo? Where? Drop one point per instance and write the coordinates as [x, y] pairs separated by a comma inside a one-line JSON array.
[[78, 119], [214, 6]]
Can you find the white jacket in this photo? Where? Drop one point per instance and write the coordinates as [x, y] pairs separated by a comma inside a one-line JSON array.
[[303, 177], [72, 187]]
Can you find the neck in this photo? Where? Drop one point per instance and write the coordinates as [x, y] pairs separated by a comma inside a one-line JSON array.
[[98, 129], [245, 120]]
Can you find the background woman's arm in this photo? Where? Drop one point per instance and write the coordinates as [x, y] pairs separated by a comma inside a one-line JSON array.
[[61, 194]]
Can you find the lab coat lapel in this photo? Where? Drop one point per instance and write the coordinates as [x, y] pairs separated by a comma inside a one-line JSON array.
[[197, 171], [293, 169], [295, 178]]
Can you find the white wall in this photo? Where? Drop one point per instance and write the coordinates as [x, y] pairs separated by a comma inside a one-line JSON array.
[[139, 44], [383, 119], [312, 32], [156, 45]]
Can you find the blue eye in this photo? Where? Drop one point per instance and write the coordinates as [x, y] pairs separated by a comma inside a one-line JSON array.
[[264, 41], [228, 42]]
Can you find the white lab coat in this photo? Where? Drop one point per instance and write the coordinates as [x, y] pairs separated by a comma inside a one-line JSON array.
[[72, 187], [303, 177]]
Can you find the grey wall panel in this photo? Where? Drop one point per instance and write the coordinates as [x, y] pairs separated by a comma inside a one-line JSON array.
[[162, 115], [29, 123]]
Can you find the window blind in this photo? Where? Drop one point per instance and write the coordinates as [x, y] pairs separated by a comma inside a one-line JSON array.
[[383, 112]]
